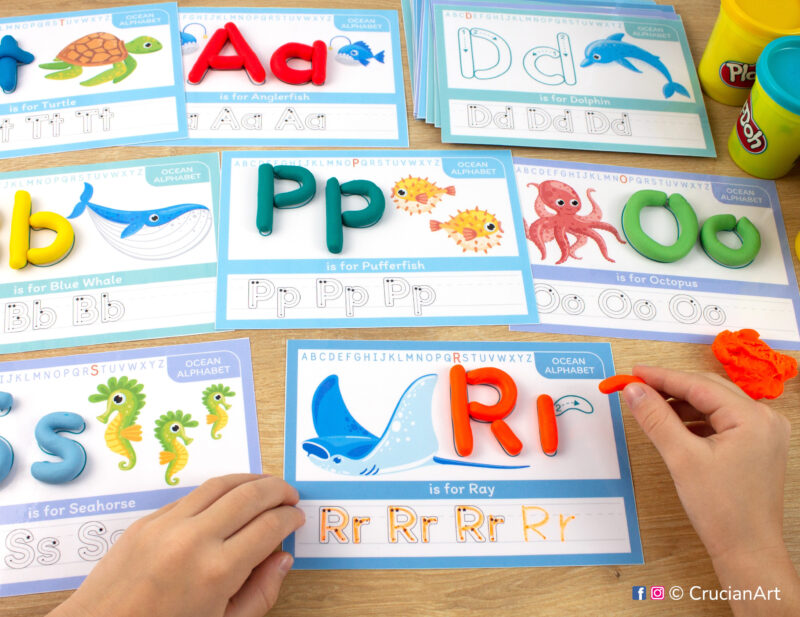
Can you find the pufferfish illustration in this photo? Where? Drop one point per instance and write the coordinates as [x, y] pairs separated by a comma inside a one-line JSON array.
[[474, 230], [418, 195]]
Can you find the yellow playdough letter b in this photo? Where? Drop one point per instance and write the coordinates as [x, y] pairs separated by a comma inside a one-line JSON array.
[[22, 222]]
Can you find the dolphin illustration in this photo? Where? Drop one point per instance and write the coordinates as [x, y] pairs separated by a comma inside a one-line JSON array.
[[159, 233], [345, 447], [613, 49]]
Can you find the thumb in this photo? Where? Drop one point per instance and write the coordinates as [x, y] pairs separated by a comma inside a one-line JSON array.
[[658, 420], [260, 591]]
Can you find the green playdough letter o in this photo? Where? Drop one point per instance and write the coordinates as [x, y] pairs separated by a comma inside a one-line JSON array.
[[644, 244], [725, 255]]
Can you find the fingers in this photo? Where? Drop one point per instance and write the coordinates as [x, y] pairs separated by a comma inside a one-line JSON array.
[[251, 544], [723, 406], [260, 591], [658, 420], [211, 490], [243, 503], [685, 411]]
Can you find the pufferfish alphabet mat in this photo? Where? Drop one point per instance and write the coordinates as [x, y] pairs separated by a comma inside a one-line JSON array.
[[395, 238], [375, 443]]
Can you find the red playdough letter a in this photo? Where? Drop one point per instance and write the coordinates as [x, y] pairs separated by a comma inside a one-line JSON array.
[[210, 57]]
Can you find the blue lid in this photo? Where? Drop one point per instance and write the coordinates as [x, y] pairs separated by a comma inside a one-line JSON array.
[[778, 72]]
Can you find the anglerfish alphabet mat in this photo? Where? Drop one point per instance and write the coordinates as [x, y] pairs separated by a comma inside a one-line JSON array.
[[445, 455], [288, 77]]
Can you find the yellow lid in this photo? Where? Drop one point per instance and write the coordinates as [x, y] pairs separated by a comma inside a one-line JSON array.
[[769, 19]]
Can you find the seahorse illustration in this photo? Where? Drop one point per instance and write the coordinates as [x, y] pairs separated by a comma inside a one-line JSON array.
[[215, 398], [125, 397], [169, 428]]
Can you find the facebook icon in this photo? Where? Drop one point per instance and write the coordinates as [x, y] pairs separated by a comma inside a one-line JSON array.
[[639, 593]]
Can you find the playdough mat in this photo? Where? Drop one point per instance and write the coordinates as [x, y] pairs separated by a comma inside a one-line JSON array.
[[143, 263], [628, 295], [74, 102], [370, 446], [528, 76], [361, 103], [53, 534], [451, 226]]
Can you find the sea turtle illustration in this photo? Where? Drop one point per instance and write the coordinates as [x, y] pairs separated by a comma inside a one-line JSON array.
[[99, 49]]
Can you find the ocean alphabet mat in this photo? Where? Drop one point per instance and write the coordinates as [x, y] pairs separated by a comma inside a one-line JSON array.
[[91, 443], [388, 238], [608, 259], [386, 481], [313, 77], [88, 79], [527, 76], [133, 256]]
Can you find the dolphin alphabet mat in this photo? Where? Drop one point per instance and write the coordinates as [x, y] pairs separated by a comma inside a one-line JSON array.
[[528, 75], [91, 443], [108, 252], [456, 454]]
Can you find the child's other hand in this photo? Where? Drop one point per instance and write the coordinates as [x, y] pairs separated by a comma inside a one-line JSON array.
[[727, 455], [728, 461], [208, 554]]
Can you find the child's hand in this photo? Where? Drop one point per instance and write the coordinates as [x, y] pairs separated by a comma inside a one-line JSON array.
[[206, 555], [727, 455]]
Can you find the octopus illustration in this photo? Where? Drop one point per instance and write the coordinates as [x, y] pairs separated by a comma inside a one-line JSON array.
[[565, 204]]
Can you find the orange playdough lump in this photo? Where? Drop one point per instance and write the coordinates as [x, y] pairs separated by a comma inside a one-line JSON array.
[[753, 365]]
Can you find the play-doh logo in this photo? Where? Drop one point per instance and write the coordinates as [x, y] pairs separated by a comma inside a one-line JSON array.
[[751, 137], [738, 74]]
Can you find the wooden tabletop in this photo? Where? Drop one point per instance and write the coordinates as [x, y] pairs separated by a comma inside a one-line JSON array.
[[673, 554]]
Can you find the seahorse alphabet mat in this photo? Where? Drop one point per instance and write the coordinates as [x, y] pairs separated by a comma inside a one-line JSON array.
[[91, 443], [445, 455], [639, 253], [89, 79]]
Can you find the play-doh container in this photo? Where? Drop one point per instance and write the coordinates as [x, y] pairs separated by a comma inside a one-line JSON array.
[[765, 140], [742, 30]]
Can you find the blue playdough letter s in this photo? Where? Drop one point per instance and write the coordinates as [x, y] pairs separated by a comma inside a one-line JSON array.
[[52, 443], [6, 451]]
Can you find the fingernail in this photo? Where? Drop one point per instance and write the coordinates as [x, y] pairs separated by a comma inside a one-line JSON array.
[[633, 393], [285, 563]]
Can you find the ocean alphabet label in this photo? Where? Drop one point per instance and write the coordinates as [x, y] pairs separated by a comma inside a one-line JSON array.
[[134, 256], [97, 78], [531, 77], [361, 101], [393, 238], [379, 416], [655, 254], [100, 440]]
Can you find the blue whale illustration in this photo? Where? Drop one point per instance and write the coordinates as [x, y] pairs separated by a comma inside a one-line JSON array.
[[345, 447], [134, 220], [613, 49]]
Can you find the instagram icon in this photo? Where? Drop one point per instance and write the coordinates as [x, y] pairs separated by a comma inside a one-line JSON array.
[[656, 592]]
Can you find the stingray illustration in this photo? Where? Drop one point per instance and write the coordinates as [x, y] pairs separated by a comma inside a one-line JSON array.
[[345, 447], [160, 233]]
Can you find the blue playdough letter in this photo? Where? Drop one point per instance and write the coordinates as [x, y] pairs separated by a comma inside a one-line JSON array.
[[52, 443], [6, 451]]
